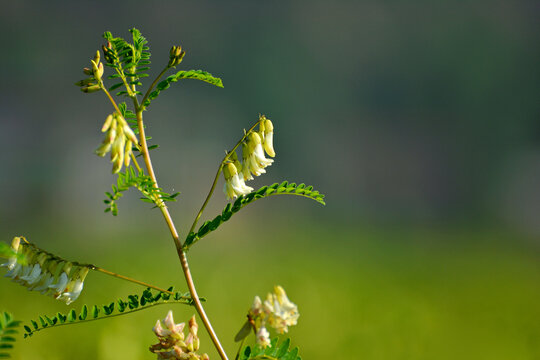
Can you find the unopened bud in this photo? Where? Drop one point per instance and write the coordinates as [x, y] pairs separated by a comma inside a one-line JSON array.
[[229, 170], [130, 134], [87, 71], [84, 82], [107, 123], [97, 57], [127, 157], [103, 149], [90, 88], [193, 327]]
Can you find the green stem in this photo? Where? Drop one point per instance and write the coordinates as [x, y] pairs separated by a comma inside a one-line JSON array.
[[107, 272], [145, 97], [213, 187], [181, 254]]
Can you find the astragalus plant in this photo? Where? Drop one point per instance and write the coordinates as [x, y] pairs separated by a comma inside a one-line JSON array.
[[126, 143]]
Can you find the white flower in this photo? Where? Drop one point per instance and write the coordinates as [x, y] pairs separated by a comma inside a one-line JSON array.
[[253, 158], [43, 284], [60, 286], [175, 329], [71, 296], [13, 259], [14, 271], [234, 185], [282, 312], [263, 337], [33, 276], [266, 130]]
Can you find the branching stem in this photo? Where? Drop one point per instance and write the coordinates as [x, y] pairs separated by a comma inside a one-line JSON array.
[[213, 187], [174, 233], [154, 83]]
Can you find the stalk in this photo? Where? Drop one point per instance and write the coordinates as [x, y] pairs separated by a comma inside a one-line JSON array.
[[174, 233]]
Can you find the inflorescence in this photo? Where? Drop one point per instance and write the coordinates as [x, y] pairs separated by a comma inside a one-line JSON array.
[[172, 342], [44, 272], [277, 311], [255, 144]]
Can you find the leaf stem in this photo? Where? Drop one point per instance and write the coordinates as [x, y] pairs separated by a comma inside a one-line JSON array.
[[176, 238], [154, 83], [107, 272]]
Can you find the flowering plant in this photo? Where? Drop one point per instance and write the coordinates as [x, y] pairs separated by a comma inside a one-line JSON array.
[[125, 140]]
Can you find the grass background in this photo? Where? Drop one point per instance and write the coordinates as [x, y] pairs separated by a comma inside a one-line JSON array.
[[407, 293]]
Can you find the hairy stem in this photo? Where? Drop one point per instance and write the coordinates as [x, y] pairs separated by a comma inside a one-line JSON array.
[[176, 238]]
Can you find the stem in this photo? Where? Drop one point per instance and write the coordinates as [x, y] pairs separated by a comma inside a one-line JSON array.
[[174, 233], [134, 159], [145, 97], [213, 187], [107, 272]]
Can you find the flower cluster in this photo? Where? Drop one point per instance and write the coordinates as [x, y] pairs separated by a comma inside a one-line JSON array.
[[175, 56], [254, 145], [93, 83], [44, 272], [118, 140], [172, 342], [277, 311]]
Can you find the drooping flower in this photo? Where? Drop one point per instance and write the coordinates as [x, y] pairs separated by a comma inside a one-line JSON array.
[[118, 140], [45, 272], [234, 184], [253, 160], [266, 131]]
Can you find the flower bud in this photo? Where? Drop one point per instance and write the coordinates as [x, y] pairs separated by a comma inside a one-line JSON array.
[[97, 57], [90, 88], [107, 123], [268, 135]]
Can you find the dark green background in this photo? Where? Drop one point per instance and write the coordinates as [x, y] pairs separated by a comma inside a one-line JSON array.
[[419, 120]]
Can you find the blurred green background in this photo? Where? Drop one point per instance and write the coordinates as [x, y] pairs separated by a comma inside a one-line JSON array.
[[419, 120]]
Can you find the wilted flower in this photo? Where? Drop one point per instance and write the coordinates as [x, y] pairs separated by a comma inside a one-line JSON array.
[[171, 340], [45, 272]]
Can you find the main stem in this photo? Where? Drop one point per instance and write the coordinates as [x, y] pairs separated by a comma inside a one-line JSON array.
[[177, 242]]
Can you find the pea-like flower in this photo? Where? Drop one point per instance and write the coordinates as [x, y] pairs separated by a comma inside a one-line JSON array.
[[172, 342], [277, 312], [45, 272], [266, 131], [118, 140], [234, 184]]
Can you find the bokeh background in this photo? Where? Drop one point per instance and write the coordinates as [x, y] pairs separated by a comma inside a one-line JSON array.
[[419, 120]]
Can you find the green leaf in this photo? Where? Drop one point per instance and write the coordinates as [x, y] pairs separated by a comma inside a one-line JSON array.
[[8, 327], [189, 74], [266, 191], [133, 303], [275, 351]]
